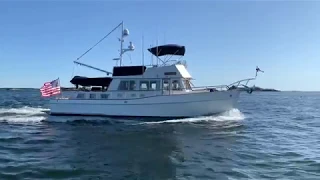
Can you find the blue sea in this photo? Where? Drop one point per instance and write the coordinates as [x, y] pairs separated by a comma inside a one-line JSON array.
[[272, 135]]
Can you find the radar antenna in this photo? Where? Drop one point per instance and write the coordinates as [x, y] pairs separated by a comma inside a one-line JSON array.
[[124, 33]]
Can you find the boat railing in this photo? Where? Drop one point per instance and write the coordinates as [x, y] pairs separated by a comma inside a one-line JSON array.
[[216, 87], [243, 82], [237, 84]]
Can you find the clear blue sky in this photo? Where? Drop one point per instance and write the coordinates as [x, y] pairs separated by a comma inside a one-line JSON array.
[[224, 40]]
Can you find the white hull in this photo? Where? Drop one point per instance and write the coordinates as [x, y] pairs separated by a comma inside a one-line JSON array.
[[178, 105]]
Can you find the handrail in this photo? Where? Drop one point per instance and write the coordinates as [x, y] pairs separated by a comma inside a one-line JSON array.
[[238, 82]]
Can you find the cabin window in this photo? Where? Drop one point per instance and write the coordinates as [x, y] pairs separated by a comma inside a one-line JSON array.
[[132, 85], [96, 89], [92, 96], [80, 96], [187, 84], [144, 85], [154, 85], [104, 96], [124, 85], [127, 85], [170, 73], [176, 85], [165, 85]]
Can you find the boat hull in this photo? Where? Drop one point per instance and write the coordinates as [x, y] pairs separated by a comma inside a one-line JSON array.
[[179, 105]]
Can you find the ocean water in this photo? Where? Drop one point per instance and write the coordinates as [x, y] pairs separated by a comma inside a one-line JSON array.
[[272, 135]]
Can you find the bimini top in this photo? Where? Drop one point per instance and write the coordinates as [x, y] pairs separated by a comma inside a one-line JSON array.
[[169, 49]]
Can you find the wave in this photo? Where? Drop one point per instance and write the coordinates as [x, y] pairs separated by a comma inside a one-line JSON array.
[[232, 115], [23, 114]]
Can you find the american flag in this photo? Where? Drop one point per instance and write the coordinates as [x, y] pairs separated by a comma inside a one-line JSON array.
[[50, 88]]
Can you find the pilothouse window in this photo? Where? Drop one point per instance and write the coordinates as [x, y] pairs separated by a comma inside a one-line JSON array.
[[154, 85], [176, 85], [144, 85], [132, 85], [124, 85], [80, 96], [127, 85], [165, 85], [187, 84]]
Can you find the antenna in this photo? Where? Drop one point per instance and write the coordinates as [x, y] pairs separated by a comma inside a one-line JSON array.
[[142, 50], [151, 56], [124, 33], [157, 48], [121, 42]]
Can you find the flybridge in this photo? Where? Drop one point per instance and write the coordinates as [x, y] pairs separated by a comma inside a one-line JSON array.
[[162, 50], [125, 71], [158, 51]]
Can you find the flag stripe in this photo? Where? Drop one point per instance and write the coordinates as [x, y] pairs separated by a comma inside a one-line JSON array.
[[50, 88]]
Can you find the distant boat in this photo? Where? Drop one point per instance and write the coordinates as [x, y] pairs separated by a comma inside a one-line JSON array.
[[158, 90]]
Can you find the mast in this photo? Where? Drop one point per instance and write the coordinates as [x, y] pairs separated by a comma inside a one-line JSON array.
[[142, 50], [124, 33], [121, 42]]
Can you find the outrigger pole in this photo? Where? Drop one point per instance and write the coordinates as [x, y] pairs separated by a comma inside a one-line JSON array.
[[124, 33], [100, 41], [82, 64]]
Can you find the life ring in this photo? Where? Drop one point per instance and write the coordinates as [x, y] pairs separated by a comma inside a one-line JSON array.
[[249, 91]]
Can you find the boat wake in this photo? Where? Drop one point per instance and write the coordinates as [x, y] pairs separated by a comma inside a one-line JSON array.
[[232, 115], [23, 114], [37, 114]]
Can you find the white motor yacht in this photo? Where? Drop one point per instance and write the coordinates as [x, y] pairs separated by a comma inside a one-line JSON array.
[[161, 90]]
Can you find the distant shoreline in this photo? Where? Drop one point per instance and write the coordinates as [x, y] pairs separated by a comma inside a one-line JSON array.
[[264, 89]]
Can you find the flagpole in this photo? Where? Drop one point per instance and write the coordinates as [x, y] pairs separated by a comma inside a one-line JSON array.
[[60, 88]]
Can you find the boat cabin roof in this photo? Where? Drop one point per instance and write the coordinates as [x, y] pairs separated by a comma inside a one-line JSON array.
[[168, 49], [96, 81], [128, 70], [160, 72]]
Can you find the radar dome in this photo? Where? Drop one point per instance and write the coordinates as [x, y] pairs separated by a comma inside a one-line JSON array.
[[125, 32]]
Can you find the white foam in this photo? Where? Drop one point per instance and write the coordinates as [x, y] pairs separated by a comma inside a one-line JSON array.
[[232, 115], [24, 114], [24, 110], [22, 118]]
